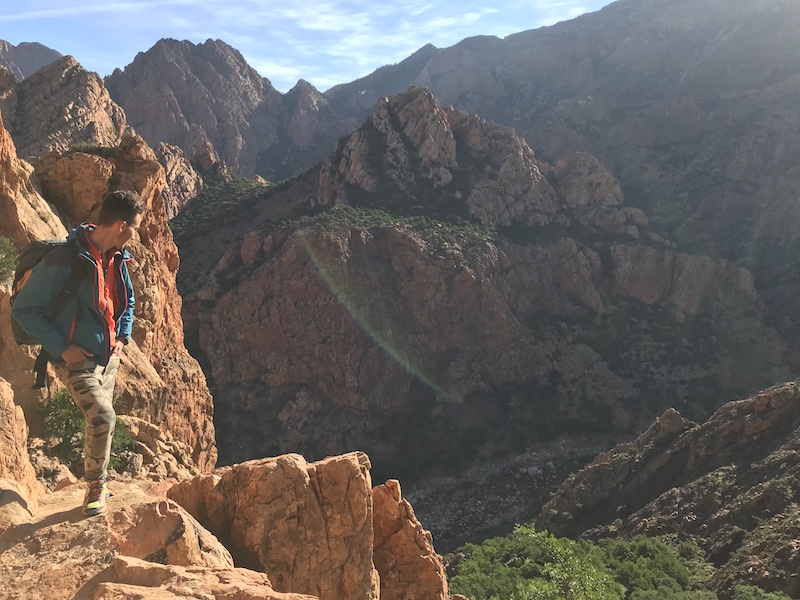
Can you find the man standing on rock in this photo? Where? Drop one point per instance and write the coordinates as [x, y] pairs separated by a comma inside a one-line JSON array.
[[86, 339]]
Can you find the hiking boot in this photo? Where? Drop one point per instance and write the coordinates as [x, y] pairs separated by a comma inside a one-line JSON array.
[[96, 496]]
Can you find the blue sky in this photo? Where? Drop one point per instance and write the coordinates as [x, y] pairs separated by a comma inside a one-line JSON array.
[[324, 42]]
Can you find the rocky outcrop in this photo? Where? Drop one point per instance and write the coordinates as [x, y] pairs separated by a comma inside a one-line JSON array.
[[404, 555], [729, 483], [25, 58], [24, 215], [183, 182], [157, 455], [299, 525], [159, 381], [142, 546], [19, 490], [134, 578], [411, 147], [273, 512], [59, 106], [190, 95]]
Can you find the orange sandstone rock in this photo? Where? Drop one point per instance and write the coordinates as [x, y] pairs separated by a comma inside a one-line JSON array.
[[308, 526], [408, 565]]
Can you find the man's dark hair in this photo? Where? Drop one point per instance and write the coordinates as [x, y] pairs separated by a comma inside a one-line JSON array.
[[120, 205]]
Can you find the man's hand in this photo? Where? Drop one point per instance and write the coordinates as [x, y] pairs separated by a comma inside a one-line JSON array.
[[75, 353], [118, 347]]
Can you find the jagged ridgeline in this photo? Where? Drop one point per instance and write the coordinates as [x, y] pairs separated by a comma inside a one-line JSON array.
[[433, 293]]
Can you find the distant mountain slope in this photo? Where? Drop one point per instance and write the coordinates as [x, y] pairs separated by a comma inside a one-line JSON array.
[[447, 295], [189, 95], [692, 104], [59, 106], [731, 484], [26, 58]]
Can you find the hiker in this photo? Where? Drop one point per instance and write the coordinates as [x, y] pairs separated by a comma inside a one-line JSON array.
[[84, 341]]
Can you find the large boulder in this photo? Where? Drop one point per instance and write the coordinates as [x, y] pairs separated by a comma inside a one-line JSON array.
[[404, 556], [19, 489], [273, 513]]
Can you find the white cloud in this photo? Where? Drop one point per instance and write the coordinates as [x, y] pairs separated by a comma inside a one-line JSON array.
[[271, 69], [71, 11]]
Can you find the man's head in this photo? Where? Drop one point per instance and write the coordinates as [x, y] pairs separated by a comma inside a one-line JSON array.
[[121, 214]]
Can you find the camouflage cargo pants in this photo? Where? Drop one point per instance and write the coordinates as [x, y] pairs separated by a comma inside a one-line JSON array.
[[92, 389]]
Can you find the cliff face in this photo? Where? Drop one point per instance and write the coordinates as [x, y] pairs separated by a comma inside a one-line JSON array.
[[730, 483], [160, 381], [26, 58], [59, 106], [183, 182], [19, 488], [689, 103], [190, 95], [451, 288]]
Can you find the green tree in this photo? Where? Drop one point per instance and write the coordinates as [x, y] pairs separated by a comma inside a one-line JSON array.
[[64, 427], [570, 574], [645, 564], [530, 565], [751, 592]]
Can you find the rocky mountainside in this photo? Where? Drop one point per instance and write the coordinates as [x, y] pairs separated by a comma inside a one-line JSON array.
[[26, 58], [448, 294], [190, 95], [57, 107], [731, 484], [690, 104], [160, 380]]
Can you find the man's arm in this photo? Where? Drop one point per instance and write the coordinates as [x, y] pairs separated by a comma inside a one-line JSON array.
[[126, 319], [42, 286]]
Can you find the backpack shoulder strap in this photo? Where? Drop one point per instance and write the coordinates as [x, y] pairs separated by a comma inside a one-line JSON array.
[[76, 275]]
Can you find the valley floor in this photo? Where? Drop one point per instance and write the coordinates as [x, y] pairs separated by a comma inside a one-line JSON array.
[[493, 495]]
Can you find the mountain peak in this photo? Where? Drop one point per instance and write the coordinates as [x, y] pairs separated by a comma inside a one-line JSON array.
[[25, 58]]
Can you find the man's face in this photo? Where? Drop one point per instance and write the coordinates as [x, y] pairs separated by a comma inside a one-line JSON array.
[[128, 230]]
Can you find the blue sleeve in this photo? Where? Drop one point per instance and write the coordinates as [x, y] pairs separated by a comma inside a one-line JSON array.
[[42, 286], [126, 319]]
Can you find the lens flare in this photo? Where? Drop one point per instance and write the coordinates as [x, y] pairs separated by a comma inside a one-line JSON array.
[[348, 294]]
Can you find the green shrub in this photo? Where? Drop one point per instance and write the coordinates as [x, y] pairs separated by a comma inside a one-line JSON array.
[[645, 564], [64, 427], [8, 258], [530, 565], [751, 592], [441, 236], [667, 594]]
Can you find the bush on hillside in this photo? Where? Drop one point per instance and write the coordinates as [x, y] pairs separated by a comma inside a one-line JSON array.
[[64, 427], [751, 592], [528, 565]]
